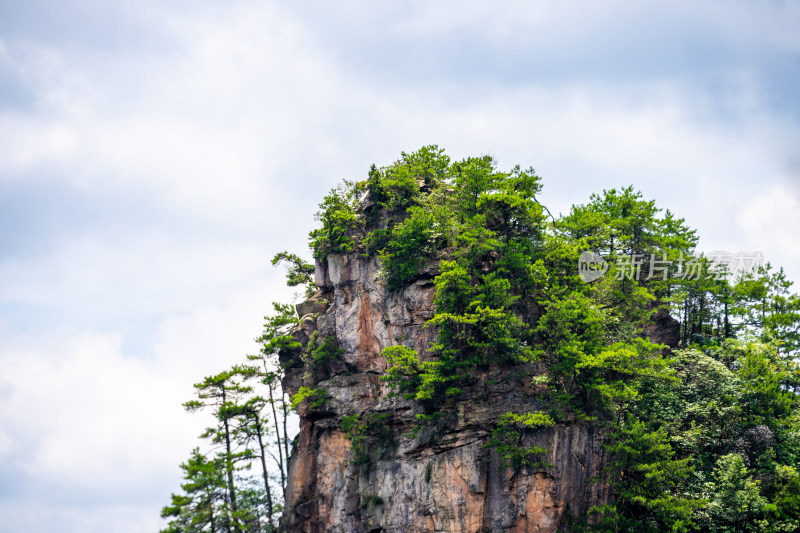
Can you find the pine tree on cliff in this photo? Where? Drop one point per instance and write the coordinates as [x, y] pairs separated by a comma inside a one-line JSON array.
[[276, 336], [250, 427], [199, 508], [220, 392]]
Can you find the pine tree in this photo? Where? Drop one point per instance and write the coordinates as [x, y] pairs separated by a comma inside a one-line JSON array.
[[202, 507], [221, 392]]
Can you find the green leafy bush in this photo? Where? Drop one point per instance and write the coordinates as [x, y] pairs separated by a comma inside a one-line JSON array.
[[367, 434], [315, 397], [507, 439], [414, 243], [648, 482], [337, 213]]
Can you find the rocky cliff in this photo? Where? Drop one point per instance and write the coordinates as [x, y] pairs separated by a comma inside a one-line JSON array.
[[392, 474]]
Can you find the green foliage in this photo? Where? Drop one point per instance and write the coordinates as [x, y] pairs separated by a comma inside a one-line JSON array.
[[315, 397], [202, 506], [316, 355], [349, 425], [701, 408], [732, 416], [327, 350], [508, 208], [574, 342], [277, 330], [473, 178], [770, 381], [507, 439], [507, 293], [398, 186], [532, 420], [404, 369], [648, 483], [622, 223], [300, 272], [222, 393], [755, 304], [415, 242], [337, 213], [736, 503], [787, 494], [367, 435], [762, 305], [373, 500], [219, 496], [454, 288]]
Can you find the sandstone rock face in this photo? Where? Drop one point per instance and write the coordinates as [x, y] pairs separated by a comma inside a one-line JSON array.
[[436, 478]]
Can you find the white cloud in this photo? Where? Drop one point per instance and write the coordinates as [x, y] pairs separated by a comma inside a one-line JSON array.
[[32, 517], [205, 128], [7, 445], [93, 421], [108, 275], [770, 223], [28, 144], [85, 423]]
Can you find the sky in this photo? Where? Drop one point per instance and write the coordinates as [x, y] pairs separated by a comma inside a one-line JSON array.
[[155, 155]]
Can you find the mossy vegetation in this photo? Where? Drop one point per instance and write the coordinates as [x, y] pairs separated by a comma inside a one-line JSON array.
[[507, 440], [316, 356], [315, 397], [373, 500], [368, 433]]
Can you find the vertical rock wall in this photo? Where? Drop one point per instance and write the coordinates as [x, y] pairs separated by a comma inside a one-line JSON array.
[[439, 478]]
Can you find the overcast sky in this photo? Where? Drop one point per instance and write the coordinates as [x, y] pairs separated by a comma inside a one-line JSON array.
[[155, 155]]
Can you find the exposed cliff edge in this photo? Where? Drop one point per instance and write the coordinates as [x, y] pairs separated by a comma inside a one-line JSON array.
[[431, 482]]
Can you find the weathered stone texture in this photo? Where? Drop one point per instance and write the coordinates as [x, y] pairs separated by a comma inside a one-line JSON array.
[[440, 479]]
